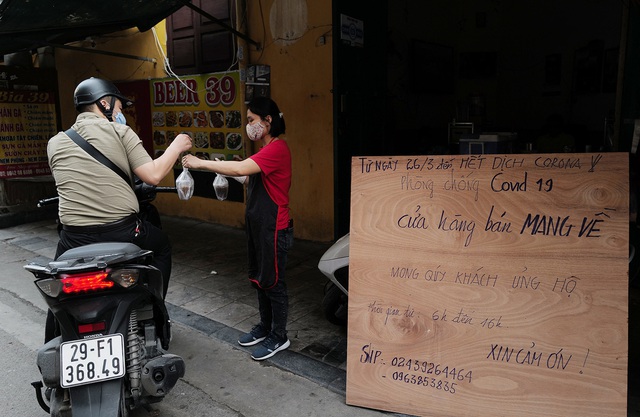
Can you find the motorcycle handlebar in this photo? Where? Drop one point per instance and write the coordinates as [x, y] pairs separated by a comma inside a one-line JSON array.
[[47, 201], [54, 200], [166, 189]]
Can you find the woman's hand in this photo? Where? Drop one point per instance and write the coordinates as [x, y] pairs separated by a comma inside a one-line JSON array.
[[191, 161]]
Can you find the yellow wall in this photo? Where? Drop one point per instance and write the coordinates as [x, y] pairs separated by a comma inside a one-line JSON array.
[[301, 82], [74, 66]]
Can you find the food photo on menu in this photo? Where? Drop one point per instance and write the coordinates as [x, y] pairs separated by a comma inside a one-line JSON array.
[[234, 141], [216, 140], [233, 119], [201, 140], [171, 135], [200, 119], [171, 119], [159, 138], [185, 119], [216, 119], [158, 118]]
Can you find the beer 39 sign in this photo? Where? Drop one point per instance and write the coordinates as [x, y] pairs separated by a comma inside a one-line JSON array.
[[206, 107]]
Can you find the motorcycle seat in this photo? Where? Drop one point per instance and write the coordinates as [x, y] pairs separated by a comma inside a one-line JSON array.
[[103, 249]]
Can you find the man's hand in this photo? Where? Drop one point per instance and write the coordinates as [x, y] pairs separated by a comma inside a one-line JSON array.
[[154, 171], [183, 142]]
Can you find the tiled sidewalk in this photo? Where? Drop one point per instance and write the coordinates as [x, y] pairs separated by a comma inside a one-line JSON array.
[[209, 282]]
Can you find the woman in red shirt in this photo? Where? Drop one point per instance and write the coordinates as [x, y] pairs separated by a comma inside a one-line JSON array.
[[268, 225]]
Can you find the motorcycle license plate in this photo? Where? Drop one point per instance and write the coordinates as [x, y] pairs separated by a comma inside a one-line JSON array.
[[91, 360]]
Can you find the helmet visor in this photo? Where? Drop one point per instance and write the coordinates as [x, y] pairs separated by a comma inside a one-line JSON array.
[[126, 102]]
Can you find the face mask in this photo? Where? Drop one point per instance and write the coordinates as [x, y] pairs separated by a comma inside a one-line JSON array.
[[120, 119], [255, 131]]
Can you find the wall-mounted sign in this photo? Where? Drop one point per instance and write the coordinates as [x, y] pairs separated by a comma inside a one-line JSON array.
[[489, 285], [208, 107], [258, 82], [27, 121], [351, 31]]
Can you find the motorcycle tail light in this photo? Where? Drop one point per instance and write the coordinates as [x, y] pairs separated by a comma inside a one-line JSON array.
[[125, 277], [85, 282], [91, 327], [51, 287]]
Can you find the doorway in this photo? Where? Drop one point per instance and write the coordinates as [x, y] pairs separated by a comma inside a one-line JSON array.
[[359, 93]]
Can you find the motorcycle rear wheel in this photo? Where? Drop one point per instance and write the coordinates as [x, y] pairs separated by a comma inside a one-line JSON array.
[[124, 410], [334, 305], [58, 406]]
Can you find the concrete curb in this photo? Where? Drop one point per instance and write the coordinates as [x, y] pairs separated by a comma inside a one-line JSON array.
[[316, 371]]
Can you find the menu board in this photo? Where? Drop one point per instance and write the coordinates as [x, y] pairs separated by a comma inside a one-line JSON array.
[[489, 285], [207, 107], [27, 121]]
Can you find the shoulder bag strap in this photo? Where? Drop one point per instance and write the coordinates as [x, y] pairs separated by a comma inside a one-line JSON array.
[[91, 150]]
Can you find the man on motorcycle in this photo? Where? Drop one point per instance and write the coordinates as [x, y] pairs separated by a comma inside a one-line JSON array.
[[95, 203]]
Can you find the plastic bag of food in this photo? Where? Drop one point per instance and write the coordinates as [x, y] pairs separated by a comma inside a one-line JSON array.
[[221, 187], [241, 180], [184, 184]]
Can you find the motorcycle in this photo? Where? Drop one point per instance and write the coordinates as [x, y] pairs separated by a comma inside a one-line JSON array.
[[110, 355], [334, 264]]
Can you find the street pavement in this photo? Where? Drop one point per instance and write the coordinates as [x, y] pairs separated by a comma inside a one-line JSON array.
[[211, 300], [212, 303]]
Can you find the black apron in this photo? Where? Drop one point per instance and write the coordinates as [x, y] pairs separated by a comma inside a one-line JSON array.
[[261, 223]]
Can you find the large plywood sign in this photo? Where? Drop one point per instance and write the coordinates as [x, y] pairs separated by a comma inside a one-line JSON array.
[[489, 285]]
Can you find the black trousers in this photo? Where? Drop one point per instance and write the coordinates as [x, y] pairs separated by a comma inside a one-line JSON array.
[[273, 303]]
